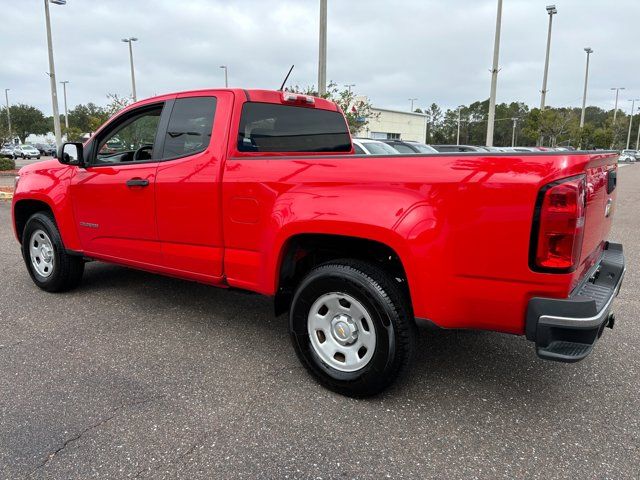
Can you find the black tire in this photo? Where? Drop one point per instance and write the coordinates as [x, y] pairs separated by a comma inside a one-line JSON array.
[[67, 269], [391, 314]]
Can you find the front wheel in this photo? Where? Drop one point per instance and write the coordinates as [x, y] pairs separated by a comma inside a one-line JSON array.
[[51, 268], [352, 327]]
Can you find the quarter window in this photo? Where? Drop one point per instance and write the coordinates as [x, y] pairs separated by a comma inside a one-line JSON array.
[[190, 126]]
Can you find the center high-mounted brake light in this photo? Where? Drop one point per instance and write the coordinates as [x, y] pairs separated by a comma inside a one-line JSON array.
[[297, 98], [558, 226]]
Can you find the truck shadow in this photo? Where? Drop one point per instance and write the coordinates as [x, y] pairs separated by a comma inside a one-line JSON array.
[[447, 362]]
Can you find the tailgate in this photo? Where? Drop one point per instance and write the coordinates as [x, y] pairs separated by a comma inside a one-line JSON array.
[[601, 176]]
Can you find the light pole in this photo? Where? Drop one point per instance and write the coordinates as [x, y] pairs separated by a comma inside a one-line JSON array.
[[349, 86], [551, 10], [615, 108], [412, 100], [130, 41], [66, 115], [322, 50], [226, 75], [638, 136], [458, 135], [52, 72], [6, 96], [633, 105], [586, 81], [513, 132], [494, 77]]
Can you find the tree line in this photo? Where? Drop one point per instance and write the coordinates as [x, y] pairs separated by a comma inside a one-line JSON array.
[[554, 126], [83, 118]]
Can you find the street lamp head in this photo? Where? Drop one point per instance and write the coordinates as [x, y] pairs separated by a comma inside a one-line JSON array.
[[551, 9], [588, 50], [130, 39], [58, 2], [617, 88], [223, 66]]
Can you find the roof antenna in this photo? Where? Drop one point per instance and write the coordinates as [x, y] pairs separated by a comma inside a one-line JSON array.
[[286, 78]]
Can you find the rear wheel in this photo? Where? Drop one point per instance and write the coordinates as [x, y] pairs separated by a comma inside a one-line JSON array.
[[51, 268], [352, 327]]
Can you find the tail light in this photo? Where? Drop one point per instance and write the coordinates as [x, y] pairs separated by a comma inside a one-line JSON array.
[[558, 226]]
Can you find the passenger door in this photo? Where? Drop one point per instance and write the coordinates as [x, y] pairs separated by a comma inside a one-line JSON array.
[[114, 196], [188, 185]]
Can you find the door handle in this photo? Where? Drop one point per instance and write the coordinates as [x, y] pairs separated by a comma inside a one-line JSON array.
[[137, 182]]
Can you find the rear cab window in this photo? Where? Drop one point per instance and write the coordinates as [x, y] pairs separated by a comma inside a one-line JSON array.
[[270, 127]]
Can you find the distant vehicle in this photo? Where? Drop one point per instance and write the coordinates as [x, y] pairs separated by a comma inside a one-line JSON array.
[[26, 151], [458, 148], [634, 153], [367, 146], [410, 147], [627, 156], [6, 151], [46, 149]]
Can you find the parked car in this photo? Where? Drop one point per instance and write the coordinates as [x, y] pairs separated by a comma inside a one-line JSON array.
[[260, 190], [46, 149], [369, 146], [457, 148], [26, 151], [627, 156], [7, 151], [410, 146]]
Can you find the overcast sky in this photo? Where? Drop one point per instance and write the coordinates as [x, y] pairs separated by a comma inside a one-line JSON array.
[[436, 50]]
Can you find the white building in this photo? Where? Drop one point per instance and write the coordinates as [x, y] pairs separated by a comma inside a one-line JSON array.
[[395, 124]]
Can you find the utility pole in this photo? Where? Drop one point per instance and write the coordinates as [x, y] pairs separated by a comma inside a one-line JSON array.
[[52, 73], [412, 100], [349, 86], [586, 81], [130, 41], [6, 96], [615, 108], [633, 104], [66, 115], [551, 10], [513, 133], [226, 78], [458, 136], [494, 77], [322, 51]]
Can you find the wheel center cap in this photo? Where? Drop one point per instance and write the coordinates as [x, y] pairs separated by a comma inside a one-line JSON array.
[[46, 253], [344, 329]]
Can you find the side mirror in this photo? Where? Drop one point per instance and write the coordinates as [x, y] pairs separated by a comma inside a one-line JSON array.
[[71, 154]]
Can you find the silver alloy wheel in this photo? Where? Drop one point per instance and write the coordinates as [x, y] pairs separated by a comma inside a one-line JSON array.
[[341, 331], [41, 253]]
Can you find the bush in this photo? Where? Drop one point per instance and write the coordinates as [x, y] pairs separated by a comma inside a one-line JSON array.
[[7, 164]]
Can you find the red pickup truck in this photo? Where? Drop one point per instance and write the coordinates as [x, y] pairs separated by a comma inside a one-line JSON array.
[[261, 190]]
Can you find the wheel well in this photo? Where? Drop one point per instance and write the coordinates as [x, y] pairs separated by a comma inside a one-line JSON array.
[[23, 210], [304, 252]]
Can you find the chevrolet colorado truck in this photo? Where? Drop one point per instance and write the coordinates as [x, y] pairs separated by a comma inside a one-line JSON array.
[[261, 190]]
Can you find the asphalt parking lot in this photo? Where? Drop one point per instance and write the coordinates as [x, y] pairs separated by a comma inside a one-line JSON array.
[[136, 375]]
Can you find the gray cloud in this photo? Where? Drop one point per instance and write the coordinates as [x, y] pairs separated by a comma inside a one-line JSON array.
[[434, 50]]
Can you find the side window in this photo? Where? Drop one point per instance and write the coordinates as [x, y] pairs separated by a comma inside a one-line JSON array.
[[190, 125], [358, 150], [130, 139]]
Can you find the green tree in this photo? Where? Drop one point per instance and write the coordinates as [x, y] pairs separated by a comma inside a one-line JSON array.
[[25, 120]]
